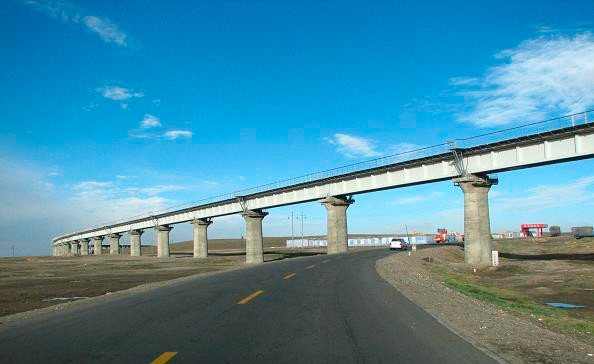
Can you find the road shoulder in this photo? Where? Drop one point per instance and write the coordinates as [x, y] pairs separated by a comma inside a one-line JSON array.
[[513, 338]]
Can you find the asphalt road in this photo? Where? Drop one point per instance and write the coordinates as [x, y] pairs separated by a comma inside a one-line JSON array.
[[321, 309]]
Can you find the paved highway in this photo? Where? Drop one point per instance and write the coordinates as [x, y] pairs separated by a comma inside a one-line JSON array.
[[321, 309]]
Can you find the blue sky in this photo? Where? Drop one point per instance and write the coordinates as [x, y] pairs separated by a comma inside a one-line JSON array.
[[111, 109]]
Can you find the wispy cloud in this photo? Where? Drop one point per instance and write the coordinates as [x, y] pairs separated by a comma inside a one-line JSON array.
[[550, 196], [118, 93], [549, 75], [402, 148], [108, 31], [168, 135], [409, 200], [463, 81], [359, 147], [155, 190], [69, 13], [353, 146], [150, 121], [177, 134], [92, 185]]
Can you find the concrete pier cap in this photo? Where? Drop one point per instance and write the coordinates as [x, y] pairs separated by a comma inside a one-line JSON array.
[[201, 237], [163, 240], [336, 207], [254, 241], [477, 225], [135, 242]]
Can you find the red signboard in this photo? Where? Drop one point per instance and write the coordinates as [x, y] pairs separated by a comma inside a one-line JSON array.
[[531, 226]]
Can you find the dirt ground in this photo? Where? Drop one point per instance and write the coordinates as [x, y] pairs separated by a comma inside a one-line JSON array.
[[28, 283], [502, 308]]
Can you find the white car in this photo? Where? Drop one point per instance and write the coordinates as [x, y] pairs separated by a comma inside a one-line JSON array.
[[398, 244]]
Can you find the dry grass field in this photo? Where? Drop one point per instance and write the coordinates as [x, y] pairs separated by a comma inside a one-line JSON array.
[[28, 283]]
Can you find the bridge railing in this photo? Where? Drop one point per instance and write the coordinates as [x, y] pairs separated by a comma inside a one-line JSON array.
[[403, 156], [525, 130]]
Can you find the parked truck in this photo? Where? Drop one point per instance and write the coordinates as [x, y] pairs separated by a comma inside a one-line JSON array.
[[582, 232], [441, 237]]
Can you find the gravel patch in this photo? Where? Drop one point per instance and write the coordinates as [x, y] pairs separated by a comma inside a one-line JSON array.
[[514, 338]]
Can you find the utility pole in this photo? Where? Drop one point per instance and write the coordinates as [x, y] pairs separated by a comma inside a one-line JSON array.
[[292, 231], [12, 250], [302, 218], [407, 236]]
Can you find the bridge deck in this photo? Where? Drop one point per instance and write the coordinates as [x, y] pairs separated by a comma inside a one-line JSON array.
[[555, 146]]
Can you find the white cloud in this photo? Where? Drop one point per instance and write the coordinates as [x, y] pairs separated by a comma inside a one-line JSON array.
[[549, 196], [150, 121], [403, 148], [156, 101], [68, 13], [155, 190], [409, 200], [463, 81], [353, 146], [92, 185], [108, 31], [118, 93], [548, 75], [177, 134]]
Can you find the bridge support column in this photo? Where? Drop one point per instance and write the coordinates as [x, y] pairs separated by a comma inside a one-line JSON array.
[[135, 242], [163, 240], [74, 247], [254, 242], [477, 227], [201, 237], [97, 243], [114, 244], [84, 246], [337, 223]]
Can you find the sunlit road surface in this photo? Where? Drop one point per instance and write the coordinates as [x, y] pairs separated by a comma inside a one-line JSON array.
[[294, 311]]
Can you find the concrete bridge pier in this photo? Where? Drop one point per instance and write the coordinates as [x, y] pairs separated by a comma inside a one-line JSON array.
[[74, 247], [163, 240], [97, 243], [114, 245], [337, 223], [201, 237], [135, 242], [84, 246], [477, 226], [254, 242]]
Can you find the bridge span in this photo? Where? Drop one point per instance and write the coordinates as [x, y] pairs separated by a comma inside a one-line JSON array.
[[467, 162]]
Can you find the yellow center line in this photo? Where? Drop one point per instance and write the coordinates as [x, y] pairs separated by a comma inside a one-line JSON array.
[[311, 266], [290, 275], [250, 297], [164, 358]]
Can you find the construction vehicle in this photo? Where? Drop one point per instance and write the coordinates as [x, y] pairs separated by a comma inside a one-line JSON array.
[[441, 237]]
